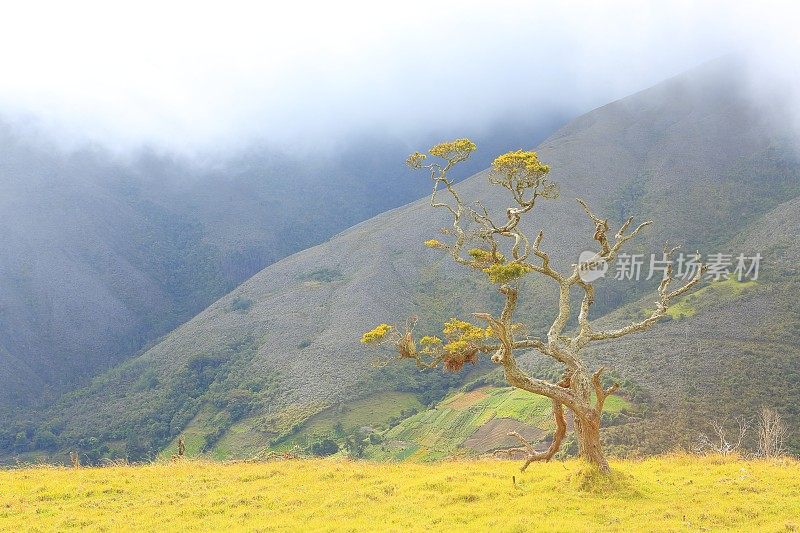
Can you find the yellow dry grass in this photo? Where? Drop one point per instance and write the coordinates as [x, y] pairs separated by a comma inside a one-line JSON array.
[[675, 493]]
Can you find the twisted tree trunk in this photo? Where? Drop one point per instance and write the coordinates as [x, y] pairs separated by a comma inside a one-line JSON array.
[[587, 431], [586, 417]]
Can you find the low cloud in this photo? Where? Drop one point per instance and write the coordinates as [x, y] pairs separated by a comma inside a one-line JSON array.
[[194, 77]]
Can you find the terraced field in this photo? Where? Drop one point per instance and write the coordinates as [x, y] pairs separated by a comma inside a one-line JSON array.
[[300, 427], [472, 423]]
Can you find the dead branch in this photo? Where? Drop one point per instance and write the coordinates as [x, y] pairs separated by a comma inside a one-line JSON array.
[[665, 298], [772, 433], [721, 442], [601, 393], [527, 448]]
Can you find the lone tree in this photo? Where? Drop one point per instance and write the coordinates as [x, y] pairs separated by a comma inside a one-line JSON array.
[[505, 254]]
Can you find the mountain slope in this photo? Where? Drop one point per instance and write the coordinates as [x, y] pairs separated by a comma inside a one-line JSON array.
[[738, 350], [293, 348], [100, 254]]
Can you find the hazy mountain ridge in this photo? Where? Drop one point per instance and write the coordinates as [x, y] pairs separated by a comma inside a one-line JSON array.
[[659, 154], [102, 254]]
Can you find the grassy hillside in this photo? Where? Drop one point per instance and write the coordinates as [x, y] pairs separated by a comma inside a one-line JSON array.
[[678, 493], [469, 422], [258, 434]]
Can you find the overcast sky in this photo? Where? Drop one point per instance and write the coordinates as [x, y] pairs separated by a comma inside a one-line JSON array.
[[197, 76]]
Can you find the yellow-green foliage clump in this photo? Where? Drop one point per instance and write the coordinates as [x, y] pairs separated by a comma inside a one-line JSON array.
[[680, 493], [430, 344], [518, 169], [464, 340], [457, 150], [433, 243], [493, 263], [463, 330], [416, 160], [484, 258], [503, 273], [376, 335]]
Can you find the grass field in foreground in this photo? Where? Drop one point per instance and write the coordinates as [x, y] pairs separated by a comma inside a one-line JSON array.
[[677, 493]]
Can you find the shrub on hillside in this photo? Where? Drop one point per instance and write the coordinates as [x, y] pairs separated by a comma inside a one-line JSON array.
[[324, 448]]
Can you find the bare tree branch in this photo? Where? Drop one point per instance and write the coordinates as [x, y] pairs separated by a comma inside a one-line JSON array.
[[721, 442], [665, 297], [600, 393], [772, 433], [527, 448]]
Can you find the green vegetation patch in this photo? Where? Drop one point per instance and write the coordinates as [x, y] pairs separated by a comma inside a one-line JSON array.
[[711, 295], [322, 275], [377, 411], [241, 304], [442, 431]]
